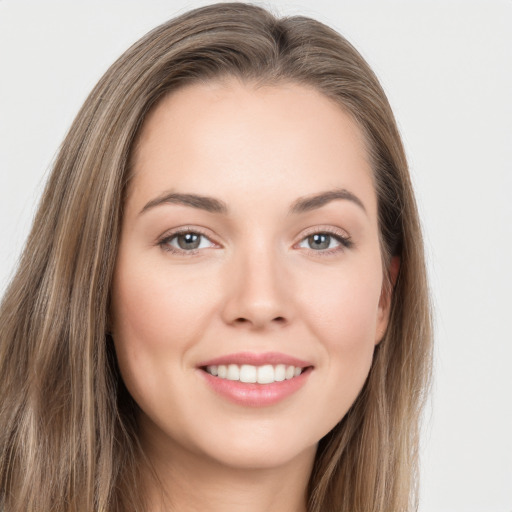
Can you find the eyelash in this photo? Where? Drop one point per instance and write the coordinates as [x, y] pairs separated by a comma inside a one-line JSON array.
[[165, 241], [344, 241]]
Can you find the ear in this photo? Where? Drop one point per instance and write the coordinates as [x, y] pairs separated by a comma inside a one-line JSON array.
[[386, 299]]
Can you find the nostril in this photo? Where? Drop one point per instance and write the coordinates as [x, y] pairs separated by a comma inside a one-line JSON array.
[[277, 319]]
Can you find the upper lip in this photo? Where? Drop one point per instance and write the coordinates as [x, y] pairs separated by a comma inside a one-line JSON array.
[[256, 359]]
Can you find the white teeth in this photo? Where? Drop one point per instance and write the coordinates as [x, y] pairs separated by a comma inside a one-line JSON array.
[[248, 373], [213, 370], [233, 372], [266, 374], [280, 372]]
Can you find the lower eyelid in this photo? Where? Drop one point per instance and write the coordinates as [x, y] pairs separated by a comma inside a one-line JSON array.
[[341, 245], [202, 238]]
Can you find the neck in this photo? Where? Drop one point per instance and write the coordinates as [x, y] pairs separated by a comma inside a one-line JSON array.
[[182, 481]]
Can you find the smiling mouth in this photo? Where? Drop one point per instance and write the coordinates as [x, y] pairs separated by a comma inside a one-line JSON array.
[[247, 373], [256, 379]]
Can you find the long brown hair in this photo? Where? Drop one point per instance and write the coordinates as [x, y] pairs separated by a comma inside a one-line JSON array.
[[68, 435]]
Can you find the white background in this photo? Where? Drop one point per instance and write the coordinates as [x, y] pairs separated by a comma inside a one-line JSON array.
[[447, 68]]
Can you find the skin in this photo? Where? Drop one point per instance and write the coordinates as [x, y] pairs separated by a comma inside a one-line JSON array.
[[255, 284]]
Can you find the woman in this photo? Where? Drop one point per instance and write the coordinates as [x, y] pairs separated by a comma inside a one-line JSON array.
[[222, 303]]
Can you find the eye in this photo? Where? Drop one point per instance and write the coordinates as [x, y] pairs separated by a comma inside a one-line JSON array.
[[325, 242], [186, 241]]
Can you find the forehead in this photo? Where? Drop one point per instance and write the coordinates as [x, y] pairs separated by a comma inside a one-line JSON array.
[[227, 138]]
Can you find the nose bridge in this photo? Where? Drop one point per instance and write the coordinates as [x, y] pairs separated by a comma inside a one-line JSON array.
[[258, 294]]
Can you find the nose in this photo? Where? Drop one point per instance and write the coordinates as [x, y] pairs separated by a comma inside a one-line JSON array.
[[257, 291]]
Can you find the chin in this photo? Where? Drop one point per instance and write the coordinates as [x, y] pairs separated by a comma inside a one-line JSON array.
[[259, 448], [260, 458]]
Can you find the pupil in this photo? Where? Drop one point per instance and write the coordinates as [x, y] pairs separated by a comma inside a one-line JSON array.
[[189, 241], [319, 241]]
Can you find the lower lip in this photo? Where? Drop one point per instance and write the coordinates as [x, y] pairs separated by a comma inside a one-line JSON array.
[[256, 395]]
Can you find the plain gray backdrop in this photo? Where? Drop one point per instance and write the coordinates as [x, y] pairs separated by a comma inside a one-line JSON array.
[[447, 70]]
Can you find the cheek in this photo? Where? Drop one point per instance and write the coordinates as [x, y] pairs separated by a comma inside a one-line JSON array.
[[152, 307], [155, 322], [342, 312], [343, 308]]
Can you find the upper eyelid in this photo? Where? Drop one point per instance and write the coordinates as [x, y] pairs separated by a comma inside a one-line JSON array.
[[183, 230], [329, 230]]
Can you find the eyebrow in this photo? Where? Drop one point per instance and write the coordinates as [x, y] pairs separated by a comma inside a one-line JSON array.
[[308, 203], [213, 205], [210, 204]]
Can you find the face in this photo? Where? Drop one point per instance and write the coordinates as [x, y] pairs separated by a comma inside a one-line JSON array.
[[247, 296]]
